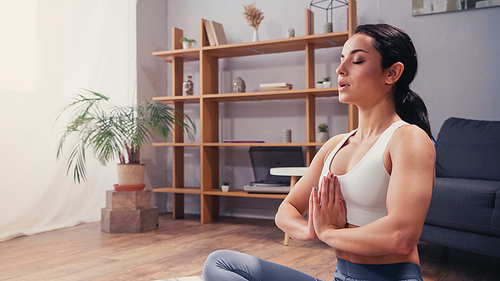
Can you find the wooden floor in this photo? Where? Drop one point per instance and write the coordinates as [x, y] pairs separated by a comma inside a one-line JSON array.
[[179, 248]]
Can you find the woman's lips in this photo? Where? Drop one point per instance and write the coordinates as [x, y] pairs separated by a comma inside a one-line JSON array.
[[343, 85]]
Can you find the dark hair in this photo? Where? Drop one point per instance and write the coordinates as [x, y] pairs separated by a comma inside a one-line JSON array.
[[394, 45]]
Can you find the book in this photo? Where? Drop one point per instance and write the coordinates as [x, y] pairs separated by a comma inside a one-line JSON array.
[[215, 33], [276, 85], [220, 36], [266, 89], [210, 34]]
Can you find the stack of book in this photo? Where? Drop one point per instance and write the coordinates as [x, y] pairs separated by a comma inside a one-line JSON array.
[[275, 87], [215, 33]]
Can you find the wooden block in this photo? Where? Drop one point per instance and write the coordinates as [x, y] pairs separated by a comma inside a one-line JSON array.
[[149, 220], [128, 200], [131, 221]]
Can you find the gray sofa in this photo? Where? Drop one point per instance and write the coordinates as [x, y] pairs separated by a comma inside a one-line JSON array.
[[465, 206]]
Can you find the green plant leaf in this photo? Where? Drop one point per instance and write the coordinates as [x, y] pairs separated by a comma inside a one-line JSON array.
[[108, 130]]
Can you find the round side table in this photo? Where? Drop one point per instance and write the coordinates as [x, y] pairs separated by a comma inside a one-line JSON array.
[[294, 173]]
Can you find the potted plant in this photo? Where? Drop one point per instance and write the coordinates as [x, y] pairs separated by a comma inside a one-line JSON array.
[[112, 131], [327, 83], [323, 132], [319, 84], [225, 186], [186, 43]]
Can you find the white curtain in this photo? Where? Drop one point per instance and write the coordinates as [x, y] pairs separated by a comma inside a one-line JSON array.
[[49, 51]]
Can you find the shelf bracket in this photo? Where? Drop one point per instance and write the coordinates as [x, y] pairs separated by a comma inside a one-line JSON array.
[[189, 57], [331, 42], [256, 51]]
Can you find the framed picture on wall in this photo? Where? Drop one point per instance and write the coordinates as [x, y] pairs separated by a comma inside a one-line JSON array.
[[423, 7]]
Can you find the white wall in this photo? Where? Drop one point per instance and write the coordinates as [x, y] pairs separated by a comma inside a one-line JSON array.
[[50, 50], [152, 80], [457, 77], [458, 56]]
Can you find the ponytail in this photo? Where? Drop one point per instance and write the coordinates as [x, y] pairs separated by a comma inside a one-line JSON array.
[[394, 45], [412, 110]]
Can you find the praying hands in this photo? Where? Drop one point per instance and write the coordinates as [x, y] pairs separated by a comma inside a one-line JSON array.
[[326, 207]]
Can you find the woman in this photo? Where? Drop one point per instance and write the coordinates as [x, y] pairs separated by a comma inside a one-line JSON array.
[[374, 183]]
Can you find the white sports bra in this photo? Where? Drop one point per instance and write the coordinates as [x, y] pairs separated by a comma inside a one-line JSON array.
[[364, 188]]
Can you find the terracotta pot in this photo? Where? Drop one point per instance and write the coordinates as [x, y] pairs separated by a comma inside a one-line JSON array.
[[132, 187], [131, 174]]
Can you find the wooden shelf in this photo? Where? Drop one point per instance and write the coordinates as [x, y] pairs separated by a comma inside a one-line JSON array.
[[262, 144], [187, 190], [242, 193], [180, 144], [218, 144], [219, 192], [284, 45], [252, 96], [190, 54], [184, 99], [272, 95], [209, 99]]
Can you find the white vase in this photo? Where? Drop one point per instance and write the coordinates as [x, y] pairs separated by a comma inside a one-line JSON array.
[[186, 45], [327, 27], [225, 188], [255, 36], [327, 84], [323, 136], [287, 135]]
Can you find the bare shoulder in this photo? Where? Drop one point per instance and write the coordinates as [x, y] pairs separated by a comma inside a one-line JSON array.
[[329, 146], [334, 141], [411, 141], [321, 156]]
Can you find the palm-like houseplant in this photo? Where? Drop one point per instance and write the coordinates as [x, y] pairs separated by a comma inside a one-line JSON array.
[[111, 131]]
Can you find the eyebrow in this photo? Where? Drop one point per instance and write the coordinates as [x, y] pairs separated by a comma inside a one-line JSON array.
[[355, 51]]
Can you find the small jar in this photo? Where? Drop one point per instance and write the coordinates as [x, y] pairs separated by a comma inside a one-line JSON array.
[[187, 86]]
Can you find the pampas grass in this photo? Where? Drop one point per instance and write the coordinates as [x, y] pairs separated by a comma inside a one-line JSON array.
[[253, 15]]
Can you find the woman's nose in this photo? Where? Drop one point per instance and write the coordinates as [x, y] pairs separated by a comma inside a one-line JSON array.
[[340, 70]]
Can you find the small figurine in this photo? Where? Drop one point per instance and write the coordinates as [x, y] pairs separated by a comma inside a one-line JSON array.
[[239, 85], [187, 86], [290, 32]]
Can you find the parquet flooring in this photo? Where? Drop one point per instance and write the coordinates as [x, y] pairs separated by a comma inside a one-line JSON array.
[[179, 248]]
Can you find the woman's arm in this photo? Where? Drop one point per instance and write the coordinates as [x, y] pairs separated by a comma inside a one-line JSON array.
[[290, 215], [412, 178]]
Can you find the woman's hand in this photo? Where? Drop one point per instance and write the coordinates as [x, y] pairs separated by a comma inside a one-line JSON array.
[[328, 210], [310, 232]]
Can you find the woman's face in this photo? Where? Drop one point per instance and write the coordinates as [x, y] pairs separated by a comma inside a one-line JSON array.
[[361, 77]]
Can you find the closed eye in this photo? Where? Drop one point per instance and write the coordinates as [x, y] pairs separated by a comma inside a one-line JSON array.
[[357, 62]]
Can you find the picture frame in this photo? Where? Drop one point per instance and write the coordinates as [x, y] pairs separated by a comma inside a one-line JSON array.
[[424, 7]]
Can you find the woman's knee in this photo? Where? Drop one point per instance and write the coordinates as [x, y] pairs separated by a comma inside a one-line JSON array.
[[216, 255], [219, 264], [219, 259]]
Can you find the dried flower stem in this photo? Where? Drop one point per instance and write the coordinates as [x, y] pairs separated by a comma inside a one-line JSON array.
[[253, 15]]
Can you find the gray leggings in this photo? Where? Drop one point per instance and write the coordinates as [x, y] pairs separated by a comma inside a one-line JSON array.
[[227, 265]]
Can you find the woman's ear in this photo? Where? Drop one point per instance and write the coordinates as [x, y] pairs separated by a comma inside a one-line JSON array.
[[393, 73]]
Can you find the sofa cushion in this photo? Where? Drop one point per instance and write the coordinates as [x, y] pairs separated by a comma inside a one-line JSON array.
[[469, 149], [464, 204], [495, 218]]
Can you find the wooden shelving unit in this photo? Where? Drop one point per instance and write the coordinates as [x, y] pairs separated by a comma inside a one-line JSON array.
[[210, 98]]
